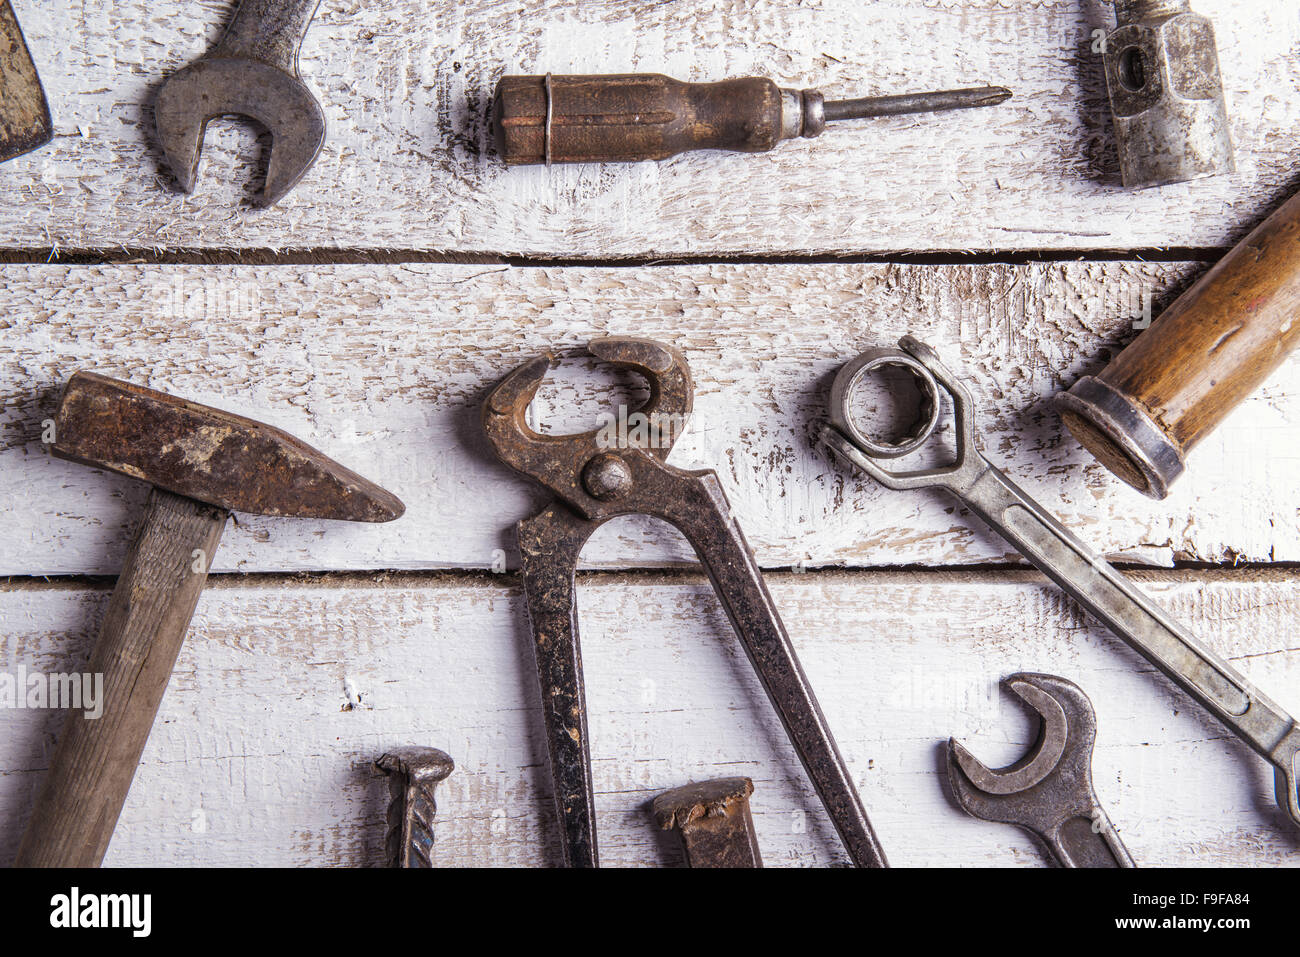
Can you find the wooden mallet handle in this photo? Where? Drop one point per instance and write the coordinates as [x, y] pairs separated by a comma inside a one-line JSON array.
[[142, 633], [1206, 353]]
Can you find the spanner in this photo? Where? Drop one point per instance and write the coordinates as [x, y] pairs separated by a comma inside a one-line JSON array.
[[1090, 580], [252, 72], [1049, 791], [594, 481]]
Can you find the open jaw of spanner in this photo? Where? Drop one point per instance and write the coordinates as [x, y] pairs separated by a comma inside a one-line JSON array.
[[1049, 791], [252, 72], [593, 483], [1090, 580]]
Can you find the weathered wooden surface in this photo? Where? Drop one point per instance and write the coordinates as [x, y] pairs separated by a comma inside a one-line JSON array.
[[405, 86], [385, 369], [286, 691]]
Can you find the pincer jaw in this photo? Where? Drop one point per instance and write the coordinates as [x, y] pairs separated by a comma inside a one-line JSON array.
[[506, 409], [505, 413]]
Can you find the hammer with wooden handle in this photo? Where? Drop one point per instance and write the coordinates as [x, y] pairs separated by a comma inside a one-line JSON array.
[[203, 463]]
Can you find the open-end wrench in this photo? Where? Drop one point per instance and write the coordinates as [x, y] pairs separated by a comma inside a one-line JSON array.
[[1049, 791], [594, 482], [252, 72], [1089, 579]]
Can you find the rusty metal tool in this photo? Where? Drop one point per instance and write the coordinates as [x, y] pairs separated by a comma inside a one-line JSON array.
[[203, 463], [713, 821], [1049, 791], [25, 122], [595, 481], [1086, 577], [413, 776], [1166, 94], [252, 71], [647, 116], [1174, 384]]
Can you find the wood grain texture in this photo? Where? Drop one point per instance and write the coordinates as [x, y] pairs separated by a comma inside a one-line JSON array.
[[1220, 341], [407, 164], [385, 368], [144, 629], [287, 691]]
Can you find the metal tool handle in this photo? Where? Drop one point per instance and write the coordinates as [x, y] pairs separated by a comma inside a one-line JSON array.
[[271, 31], [1135, 618], [549, 545], [700, 510], [143, 630], [1088, 842]]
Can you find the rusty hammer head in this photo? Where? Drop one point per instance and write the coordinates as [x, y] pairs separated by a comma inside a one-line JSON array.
[[209, 455]]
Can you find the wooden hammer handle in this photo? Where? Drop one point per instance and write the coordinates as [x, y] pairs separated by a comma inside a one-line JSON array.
[[1206, 353], [1223, 337], [142, 633]]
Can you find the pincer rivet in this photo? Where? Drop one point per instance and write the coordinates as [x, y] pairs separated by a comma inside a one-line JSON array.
[[606, 476]]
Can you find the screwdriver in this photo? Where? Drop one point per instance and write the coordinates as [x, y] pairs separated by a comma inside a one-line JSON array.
[[647, 116]]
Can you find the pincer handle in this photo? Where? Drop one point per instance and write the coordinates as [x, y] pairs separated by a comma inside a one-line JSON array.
[[700, 510]]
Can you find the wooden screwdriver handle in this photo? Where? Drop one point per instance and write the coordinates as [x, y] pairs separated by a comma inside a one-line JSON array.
[[630, 117], [1206, 353], [142, 633]]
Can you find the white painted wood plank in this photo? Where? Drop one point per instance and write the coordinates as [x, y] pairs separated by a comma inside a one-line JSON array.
[[386, 369], [257, 758], [408, 164]]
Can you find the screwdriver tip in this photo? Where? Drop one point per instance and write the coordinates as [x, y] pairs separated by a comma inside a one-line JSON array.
[[915, 103]]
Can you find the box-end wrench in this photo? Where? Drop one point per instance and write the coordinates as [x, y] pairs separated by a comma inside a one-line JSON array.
[[1090, 580], [1049, 791]]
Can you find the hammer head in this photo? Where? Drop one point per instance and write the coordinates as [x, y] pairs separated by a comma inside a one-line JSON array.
[[209, 455], [222, 86]]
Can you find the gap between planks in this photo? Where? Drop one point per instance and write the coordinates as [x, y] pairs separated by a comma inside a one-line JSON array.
[[266, 256], [1276, 572]]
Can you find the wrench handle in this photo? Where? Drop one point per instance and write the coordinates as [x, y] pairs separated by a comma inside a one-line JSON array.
[[700, 510], [1088, 842], [1123, 608], [268, 30]]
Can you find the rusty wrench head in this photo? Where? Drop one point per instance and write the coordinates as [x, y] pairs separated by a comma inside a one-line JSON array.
[[252, 72], [1049, 791]]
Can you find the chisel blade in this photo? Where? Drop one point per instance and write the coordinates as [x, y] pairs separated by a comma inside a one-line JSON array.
[[25, 122]]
